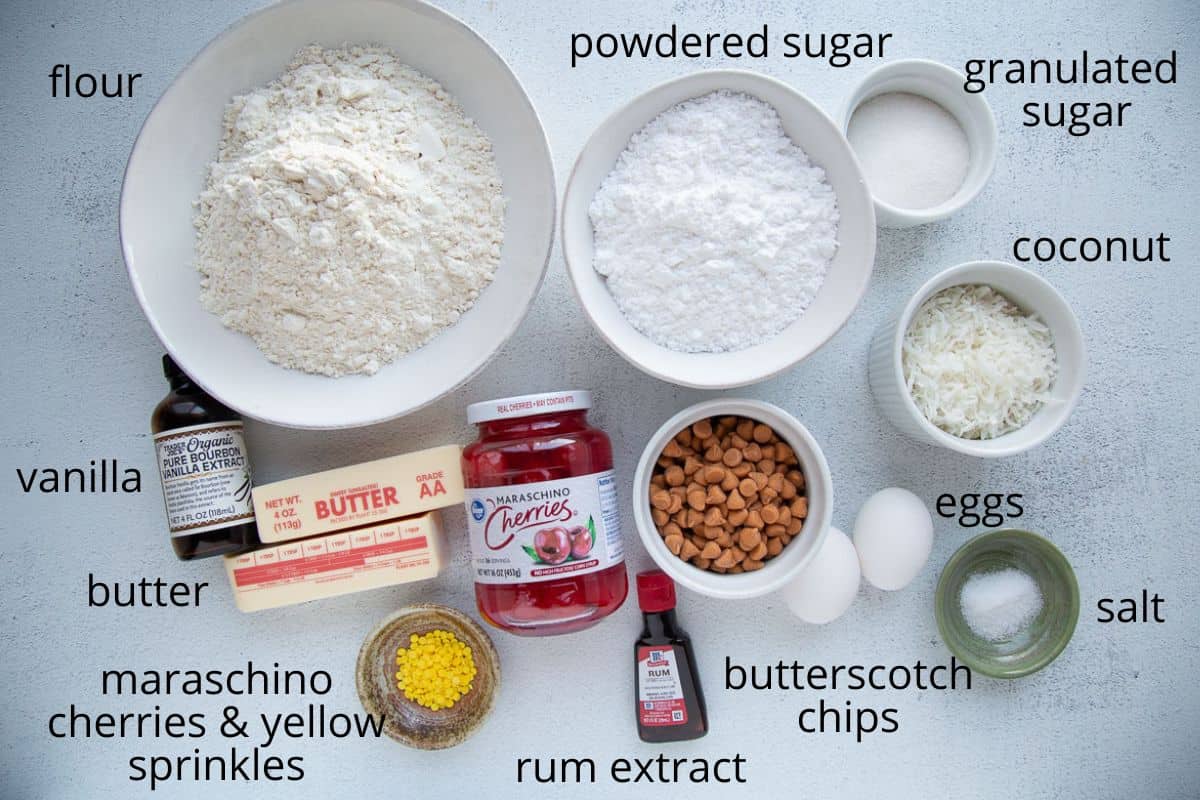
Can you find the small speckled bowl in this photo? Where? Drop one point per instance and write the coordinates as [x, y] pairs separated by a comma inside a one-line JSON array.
[[1045, 637], [404, 720]]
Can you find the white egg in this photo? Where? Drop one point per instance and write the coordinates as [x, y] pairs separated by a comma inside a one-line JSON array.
[[828, 585], [894, 536]]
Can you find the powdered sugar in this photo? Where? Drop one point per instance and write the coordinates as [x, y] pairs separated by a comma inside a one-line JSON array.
[[714, 230], [352, 213]]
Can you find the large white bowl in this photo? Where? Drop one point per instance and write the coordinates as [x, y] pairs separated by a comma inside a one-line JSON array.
[[845, 283], [1031, 292], [794, 557], [167, 170]]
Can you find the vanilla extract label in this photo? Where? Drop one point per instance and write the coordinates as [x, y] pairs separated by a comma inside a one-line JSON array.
[[205, 477]]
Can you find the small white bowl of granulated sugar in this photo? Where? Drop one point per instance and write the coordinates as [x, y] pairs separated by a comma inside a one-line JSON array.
[[717, 229], [926, 145]]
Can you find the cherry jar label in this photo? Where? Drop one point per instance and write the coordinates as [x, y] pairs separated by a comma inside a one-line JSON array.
[[205, 477], [542, 531], [660, 691]]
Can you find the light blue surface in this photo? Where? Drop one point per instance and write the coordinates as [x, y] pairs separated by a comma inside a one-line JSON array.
[[1116, 716]]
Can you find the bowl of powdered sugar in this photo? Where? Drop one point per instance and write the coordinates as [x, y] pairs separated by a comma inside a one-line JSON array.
[[338, 212], [717, 229]]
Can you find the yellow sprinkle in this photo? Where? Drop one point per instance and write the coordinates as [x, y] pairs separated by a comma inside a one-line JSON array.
[[436, 670]]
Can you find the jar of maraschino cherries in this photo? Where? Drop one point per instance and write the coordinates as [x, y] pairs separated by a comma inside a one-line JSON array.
[[543, 515]]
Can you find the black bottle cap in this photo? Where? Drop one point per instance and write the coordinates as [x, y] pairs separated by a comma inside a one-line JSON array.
[[170, 368]]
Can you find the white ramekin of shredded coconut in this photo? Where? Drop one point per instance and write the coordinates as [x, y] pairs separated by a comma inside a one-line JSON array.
[[985, 359]]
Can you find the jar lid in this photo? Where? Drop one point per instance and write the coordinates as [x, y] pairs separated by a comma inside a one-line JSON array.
[[656, 591], [528, 405]]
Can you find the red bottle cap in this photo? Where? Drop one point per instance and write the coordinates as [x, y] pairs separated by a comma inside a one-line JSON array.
[[656, 591]]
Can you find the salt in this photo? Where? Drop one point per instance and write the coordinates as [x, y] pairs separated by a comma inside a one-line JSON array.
[[913, 152], [714, 231], [998, 605]]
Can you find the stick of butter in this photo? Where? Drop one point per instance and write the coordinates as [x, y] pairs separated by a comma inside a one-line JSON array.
[[362, 494], [396, 552]]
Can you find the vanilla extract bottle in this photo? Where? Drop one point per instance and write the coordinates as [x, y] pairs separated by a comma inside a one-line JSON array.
[[204, 470]]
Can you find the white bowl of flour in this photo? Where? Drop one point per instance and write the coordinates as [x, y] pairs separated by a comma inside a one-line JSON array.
[[235, 337], [718, 230]]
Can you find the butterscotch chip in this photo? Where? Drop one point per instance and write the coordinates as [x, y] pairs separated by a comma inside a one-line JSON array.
[[726, 559], [715, 495], [776, 530], [763, 433], [748, 487], [774, 547], [786, 539], [732, 457], [735, 500], [759, 478], [785, 515], [738, 517], [665, 461], [738, 442], [736, 569], [770, 514], [674, 543], [660, 498], [725, 539], [684, 437], [729, 482], [768, 494], [695, 499], [714, 474], [752, 452], [694, 519], [713, 453], [676, 504], [714, 516], [795, 526], [712, 531], [713, 550], [788, 490], [672, 529], [659, 516], [749, 538], [673, 450], [718, 570], [745, 429], [690, 465], [674, 475], [750, 565], [768, 451], [783, 452], [703, 429], [800, 507], [754, 519], [743, 469], [702, 563], [688, 551], [760, 552], [796, 478], [659, 481], [766, 466], [738, 555]]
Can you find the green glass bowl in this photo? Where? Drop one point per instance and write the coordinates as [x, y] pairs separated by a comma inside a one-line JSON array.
[[1044, 638]]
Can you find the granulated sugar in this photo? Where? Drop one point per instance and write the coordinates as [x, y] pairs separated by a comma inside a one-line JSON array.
[[353, 212], [714, 230]]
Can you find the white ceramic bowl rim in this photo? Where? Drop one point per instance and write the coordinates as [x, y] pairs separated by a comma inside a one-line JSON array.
[[777, 572], [501, 335], [715, 80], [944, 280], [862, 92]]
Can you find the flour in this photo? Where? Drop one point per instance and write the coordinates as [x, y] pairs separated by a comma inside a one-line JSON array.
[[714, 230], [352, 213]]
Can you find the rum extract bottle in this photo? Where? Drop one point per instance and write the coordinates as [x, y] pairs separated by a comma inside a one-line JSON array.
[[670, 702], [204, 470]]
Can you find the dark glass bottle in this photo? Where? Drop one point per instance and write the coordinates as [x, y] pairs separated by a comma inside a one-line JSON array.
[[670, 701], [204, 470]]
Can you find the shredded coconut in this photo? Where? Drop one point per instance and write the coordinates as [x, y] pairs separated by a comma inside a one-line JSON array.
[[714, 230], [352, 213], [999, 605], [976, 365]]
